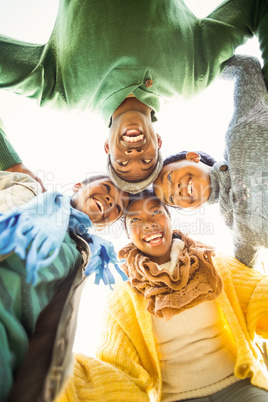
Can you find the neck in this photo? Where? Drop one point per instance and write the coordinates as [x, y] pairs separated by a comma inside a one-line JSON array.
[[161, 259], [130, 104]]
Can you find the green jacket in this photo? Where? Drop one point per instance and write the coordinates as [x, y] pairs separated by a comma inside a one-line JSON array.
[[37, 323], [8, 155], [101, 51]]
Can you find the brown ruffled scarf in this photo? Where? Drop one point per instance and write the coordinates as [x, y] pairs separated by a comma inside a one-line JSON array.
[[194, 280]]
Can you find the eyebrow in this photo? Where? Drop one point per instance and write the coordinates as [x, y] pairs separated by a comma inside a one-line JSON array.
[[145, 170], [130, 214], [165, 200], [137, 213], [128, 171], [162, 178], [118, 208], [117, 205], [107, 185], [154, 206], [123, 171]]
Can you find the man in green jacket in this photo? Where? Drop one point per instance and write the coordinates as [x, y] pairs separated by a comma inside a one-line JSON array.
[[120, 57]]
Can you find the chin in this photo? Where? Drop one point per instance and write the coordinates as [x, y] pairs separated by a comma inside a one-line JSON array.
[[195, 206], [99, 226]]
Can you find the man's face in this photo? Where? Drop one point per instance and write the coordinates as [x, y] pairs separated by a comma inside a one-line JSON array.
[[185, 184], [133, 146], [101, 200], [149, 228]]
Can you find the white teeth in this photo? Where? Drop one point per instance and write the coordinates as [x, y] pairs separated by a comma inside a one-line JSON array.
[[190, 188], [152, 237], [99, 204], [132, 138], [133, 131]]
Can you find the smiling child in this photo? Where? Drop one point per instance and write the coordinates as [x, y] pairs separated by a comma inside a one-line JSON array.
[[154, 237], [240, 182], [185, 180], [100, 199], [182, 328]]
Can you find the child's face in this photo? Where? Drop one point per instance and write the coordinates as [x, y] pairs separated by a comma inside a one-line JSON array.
[[101, 200], [184, 183], [149, 228]]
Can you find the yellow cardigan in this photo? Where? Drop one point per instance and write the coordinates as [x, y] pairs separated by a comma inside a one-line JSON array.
[[128, 368]]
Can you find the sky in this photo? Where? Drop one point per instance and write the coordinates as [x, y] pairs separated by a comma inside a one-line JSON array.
[[62, 148]]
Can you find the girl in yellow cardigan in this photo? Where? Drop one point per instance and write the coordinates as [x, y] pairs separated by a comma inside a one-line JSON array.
[[183, 328]]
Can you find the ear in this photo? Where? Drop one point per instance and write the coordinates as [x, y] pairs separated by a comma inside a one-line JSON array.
[[193, 157], [106, 147], [159, 141], [77, 186]]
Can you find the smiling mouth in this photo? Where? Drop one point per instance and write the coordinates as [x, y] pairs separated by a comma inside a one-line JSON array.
[[154, 238], [100, 205], [190, 189], [133, 136]]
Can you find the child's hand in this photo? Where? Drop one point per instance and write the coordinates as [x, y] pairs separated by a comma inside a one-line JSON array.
[[20, 168]]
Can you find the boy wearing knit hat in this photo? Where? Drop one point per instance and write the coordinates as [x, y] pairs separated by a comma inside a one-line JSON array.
[[240, 183]]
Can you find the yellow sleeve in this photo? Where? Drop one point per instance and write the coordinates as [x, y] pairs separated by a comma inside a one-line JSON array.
[[251, 292], [94, 380], [118, 350], [257, 314], [121, 370]]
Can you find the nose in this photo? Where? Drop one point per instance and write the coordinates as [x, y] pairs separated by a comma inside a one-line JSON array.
[[110, 200], [178, 191], [134, 152], [149, 225]]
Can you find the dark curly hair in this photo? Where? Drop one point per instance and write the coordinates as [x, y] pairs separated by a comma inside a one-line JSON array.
[[95, 177]]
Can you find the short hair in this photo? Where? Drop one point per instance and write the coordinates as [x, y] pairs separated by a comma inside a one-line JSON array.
[[205, 158], [147, 193], [95, 177]]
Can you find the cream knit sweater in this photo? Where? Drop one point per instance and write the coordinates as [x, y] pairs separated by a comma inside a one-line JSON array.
[[128, 368]]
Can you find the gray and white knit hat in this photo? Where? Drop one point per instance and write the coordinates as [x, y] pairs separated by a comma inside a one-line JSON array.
[[134, 187]]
